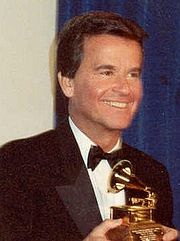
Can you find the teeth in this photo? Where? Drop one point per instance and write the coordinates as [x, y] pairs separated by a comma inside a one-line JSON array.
[[116, 104]]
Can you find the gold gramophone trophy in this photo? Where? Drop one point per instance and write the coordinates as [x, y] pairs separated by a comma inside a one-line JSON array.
[[137, 214]]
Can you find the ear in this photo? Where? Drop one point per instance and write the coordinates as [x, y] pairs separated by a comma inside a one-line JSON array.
[[66, 84]]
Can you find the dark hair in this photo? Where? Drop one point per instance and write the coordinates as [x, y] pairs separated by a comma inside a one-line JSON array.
[[71, 38]]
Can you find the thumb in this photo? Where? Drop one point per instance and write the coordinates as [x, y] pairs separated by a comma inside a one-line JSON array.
[[108, 224]]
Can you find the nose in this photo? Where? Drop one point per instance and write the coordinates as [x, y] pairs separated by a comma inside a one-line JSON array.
[[122, 86]]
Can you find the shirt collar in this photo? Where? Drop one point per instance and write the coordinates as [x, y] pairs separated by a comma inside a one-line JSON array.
[[85, 143]]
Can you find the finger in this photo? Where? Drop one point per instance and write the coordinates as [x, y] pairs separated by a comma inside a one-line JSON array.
[[107, 225], [169, 234]]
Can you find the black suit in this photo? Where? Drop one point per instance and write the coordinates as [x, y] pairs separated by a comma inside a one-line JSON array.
[[46, 193]]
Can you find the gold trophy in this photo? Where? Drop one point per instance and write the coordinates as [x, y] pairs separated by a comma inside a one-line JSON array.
[[137, 215]]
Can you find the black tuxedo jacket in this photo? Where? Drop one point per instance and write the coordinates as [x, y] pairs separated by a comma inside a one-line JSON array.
[[46, 194]]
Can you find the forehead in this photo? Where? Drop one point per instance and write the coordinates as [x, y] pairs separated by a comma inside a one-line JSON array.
[[112, 48], [108, 38]]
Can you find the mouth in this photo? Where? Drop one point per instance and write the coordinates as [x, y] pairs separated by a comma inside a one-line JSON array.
[[116, 104]]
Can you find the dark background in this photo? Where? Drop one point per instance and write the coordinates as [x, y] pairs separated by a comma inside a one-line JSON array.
[[156, 129]]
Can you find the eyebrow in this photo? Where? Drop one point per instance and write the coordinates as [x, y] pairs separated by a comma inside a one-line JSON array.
[[136, 70], [105, 66], [112, 67]]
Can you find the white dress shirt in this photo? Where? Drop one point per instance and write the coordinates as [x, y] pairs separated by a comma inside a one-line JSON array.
[[99, 177]]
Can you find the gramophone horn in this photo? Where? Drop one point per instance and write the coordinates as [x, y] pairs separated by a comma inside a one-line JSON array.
[[121, 176]]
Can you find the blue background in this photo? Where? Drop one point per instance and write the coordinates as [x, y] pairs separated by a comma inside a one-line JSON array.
[[155, 129]]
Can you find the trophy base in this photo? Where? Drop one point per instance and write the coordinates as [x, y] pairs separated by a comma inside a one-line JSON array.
[[136, 232], [137, 224]]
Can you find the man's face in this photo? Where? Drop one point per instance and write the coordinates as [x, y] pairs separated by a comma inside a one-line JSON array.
[[107, 88]]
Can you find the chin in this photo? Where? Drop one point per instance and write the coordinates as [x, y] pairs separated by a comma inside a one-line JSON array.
[[120, 125]]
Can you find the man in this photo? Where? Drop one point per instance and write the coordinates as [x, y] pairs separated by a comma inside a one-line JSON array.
[[49, 191]]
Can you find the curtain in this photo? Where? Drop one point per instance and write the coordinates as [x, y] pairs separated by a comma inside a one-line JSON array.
[[156, 128]]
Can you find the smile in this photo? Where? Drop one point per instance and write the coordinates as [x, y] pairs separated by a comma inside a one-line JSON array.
[[116, 104]]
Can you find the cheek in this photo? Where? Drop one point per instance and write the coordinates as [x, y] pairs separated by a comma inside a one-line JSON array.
[[83, 96], [138, 92], [91, 92], [88, 88]]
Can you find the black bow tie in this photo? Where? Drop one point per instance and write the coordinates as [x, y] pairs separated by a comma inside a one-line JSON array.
[[96, 154]]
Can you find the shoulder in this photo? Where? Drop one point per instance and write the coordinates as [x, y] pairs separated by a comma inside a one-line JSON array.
[[144, 164], [38, 160], [39, 143], [43, 154], [27, 145], [140, 156], [25, 153]]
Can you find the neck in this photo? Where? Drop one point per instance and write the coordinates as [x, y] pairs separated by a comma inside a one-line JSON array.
[[106, 142], [103, 137]]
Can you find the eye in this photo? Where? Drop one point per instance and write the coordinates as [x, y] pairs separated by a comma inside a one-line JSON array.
[[134, 75], [107, 73]]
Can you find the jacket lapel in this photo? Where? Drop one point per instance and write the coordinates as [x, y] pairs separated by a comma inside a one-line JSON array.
[[79, 199], [77, 193]]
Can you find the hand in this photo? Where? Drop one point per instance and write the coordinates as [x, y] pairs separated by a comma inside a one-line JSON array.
[[169, 234], [99, 232]]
